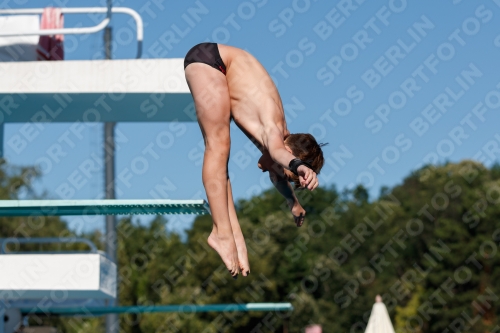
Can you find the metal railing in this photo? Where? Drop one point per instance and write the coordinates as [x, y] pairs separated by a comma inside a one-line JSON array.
[[75, 31]]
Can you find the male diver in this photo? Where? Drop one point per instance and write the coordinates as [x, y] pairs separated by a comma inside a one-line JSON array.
[[229, 83]]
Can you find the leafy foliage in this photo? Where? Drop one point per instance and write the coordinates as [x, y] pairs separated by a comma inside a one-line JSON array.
[[429, 246]]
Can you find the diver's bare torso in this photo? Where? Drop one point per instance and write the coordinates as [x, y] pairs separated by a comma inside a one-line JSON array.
[[255, 102]]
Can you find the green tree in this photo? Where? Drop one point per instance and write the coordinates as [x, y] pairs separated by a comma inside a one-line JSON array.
[[429, 246]]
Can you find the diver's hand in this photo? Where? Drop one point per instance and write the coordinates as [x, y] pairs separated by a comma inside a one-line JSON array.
[[298, 214], [307, 177]]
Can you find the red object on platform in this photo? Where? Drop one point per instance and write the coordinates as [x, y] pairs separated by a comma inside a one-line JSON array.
[[51, 47]]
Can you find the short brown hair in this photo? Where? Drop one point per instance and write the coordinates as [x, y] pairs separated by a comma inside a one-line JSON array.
[[305, 147]]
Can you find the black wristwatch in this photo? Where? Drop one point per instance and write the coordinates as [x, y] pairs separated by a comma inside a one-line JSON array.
[[295, 163]]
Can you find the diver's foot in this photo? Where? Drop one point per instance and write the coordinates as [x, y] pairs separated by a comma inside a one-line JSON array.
[[241, 247], [226, 248]]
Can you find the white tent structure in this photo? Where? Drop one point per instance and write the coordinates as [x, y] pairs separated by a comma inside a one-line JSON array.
[[379, 321]]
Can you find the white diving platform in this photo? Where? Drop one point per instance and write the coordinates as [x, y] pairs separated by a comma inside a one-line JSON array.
[[133, 90], [59, 277], [102, 207]]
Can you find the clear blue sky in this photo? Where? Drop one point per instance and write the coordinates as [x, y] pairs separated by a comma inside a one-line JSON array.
[[389, 85]]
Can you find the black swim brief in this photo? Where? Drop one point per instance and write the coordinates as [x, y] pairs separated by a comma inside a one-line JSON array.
[[206, 53]]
